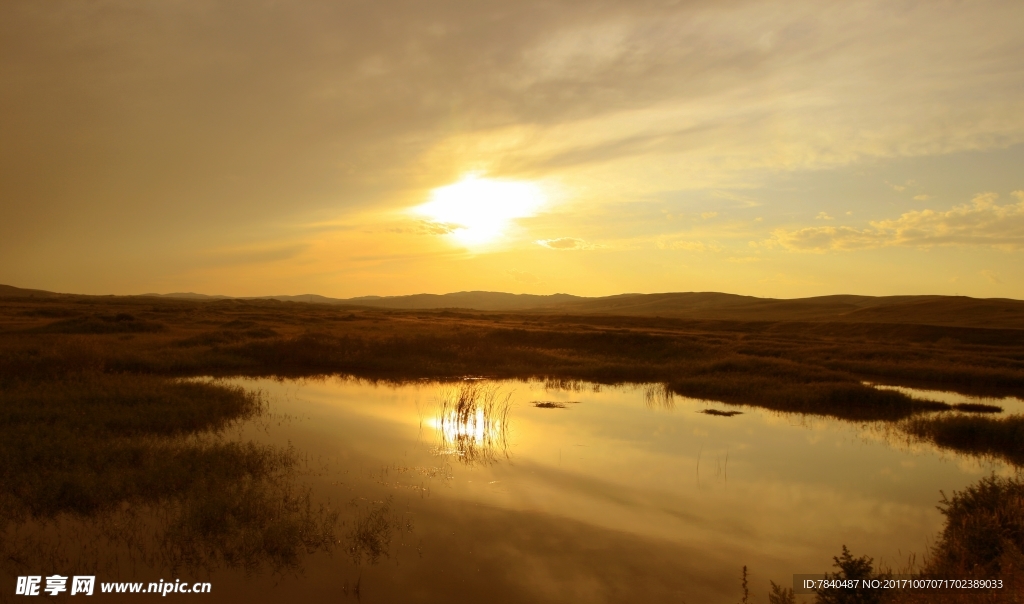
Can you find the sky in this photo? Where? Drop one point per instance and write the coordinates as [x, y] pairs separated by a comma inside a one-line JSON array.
[[347, 148]]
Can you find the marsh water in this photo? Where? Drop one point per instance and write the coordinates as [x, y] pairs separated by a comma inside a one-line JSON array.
[[1009, 404], [561, 492]]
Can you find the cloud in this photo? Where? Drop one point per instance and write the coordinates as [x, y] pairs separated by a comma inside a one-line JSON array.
[[648, 115], [565, 243], [427, 227], [745, 201], [821, 239], [691, 246], [522, 277], [707, 215], [823, 216], [784, 279], [922, 197], [992, 276], [980, 223], [257, 254]]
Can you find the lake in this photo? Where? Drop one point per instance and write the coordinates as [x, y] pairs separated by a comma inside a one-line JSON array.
[[567, 492], [623, 493]]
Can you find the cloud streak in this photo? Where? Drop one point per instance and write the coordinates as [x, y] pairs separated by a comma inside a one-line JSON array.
[[980, 223], [522, 277], [687, 245], [565, 243]]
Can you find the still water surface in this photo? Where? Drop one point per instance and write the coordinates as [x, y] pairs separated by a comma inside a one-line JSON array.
[[601, 494], [1009, 404], [624, 494]]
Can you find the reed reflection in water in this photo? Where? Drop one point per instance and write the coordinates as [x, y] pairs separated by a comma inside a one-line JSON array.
[[658, 396], [472, 424]]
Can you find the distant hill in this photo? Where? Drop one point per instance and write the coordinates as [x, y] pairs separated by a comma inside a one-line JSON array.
[[927, 310], [473, 300], [8, 291], [188, 296], [477, 300], [959, 311]]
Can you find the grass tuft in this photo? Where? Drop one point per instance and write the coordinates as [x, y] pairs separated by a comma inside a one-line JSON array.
[[472, 422], [996, 437]]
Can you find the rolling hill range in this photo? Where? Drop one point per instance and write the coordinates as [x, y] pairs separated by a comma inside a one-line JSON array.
[[10, 291], [929, 310], [960, 311]]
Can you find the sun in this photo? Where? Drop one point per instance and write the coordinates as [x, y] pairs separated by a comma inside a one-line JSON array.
[[479, 210]]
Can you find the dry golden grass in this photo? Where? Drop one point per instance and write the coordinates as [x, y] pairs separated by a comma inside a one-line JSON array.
[[810, 367], [99, 374]]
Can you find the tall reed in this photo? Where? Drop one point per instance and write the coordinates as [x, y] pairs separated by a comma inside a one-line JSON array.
[[472, 420]]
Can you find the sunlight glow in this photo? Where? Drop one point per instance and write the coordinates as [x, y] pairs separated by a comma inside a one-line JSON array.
[[478, 210], [476, 427]]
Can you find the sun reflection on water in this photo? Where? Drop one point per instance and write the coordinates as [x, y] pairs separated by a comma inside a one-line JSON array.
[[472, 424]]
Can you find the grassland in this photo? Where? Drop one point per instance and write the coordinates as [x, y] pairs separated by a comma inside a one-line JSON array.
[[815, 368], [103, 446], [806, 367], [93, 407]]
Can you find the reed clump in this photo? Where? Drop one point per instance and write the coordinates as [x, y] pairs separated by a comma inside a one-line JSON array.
[[370, 536], [92, 445], [261, 518], [856, 570], [472, 422], [984, 532], [976, 435], [90, 441]]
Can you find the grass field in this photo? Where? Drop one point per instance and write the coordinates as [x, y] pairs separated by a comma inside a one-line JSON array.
[[806, 367], [92, 407]]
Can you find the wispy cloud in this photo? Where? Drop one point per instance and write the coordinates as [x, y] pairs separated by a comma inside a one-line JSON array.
[[982, 222], [522, 277], [992, 276], [744, 201], [255, 254], [428, 227], [689, 245], [823, 239], [566, 243]]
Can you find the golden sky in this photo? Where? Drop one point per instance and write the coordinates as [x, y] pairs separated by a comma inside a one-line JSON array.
[[784, 148]]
